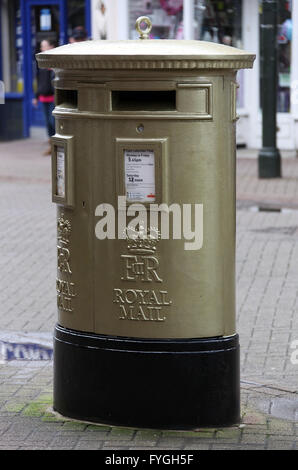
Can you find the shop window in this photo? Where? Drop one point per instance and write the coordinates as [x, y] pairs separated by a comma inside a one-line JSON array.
[[284, 42], [99, 18], [75, 15], [11, 46], [284, 56], [166, 17], [219, 21], [214, 20], [44, 27]]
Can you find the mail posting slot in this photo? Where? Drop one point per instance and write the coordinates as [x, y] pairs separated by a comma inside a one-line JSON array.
[[144, 182]]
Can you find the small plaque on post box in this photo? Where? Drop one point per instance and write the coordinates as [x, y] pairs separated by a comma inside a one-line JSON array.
[[139, 175], [62, 170], [60, 176], [141, 169]]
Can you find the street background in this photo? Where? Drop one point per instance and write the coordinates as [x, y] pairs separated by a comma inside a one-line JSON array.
[[267, 320]]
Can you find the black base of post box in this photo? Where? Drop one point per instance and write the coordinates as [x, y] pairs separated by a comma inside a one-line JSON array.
[[167, 383]]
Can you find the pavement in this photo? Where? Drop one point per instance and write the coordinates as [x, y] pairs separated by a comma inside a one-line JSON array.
[[267, 316]]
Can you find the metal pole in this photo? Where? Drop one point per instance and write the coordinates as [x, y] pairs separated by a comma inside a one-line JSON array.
[[188, 19], [269, 156], [123, 19]]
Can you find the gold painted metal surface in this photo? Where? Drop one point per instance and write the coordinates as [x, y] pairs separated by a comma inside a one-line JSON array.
[[158, 54], [148, 289]]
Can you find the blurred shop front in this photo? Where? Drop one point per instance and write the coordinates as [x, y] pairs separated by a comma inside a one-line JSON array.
[[205, 20], [217, 21], [23, 25], [235, 23]]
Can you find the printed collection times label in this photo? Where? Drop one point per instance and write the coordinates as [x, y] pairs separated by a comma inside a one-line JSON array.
[[60, 171], [139, 167]]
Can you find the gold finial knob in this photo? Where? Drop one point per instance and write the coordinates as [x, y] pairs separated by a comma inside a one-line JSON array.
[[144, 33]]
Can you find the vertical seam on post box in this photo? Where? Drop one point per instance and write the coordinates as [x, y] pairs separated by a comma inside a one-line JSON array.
[[92, 187]]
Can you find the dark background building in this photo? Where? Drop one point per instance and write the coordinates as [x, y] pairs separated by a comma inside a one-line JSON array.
[[23, 25]]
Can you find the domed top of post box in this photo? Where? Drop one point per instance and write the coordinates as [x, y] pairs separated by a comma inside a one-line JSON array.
[[157, 54]]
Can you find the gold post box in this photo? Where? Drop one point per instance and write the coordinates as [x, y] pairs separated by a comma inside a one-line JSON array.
[[143, 172]]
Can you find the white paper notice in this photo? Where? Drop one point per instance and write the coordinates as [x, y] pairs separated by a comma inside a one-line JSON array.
[[139, 175], [60, 172]]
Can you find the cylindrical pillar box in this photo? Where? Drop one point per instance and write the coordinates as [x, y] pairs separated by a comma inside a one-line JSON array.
[[144, 181]]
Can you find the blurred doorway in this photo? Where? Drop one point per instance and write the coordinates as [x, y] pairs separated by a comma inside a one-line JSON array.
[[44, 20]]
